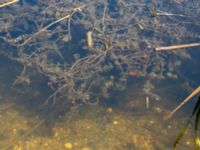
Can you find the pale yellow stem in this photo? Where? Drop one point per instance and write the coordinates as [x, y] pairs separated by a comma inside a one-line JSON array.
[[168, 48], [8, 3], [194, 93]]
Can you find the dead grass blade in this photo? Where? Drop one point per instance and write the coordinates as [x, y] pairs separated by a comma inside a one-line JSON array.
[[168, 48], [194, 93], [8, 3]]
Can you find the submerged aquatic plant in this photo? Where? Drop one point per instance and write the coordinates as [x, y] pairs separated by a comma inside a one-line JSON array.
[[79, 46]]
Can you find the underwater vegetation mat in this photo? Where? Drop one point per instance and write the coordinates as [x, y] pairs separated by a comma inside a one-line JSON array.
[[86, 49]]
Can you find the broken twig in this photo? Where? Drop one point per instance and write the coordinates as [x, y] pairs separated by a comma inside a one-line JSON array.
[[194, 93], [8, 3], [168, 48]]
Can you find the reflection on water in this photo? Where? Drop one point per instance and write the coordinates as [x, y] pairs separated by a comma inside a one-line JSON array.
[[84, 75]]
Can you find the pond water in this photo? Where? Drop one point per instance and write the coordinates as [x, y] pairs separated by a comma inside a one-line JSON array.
[[84, 75]]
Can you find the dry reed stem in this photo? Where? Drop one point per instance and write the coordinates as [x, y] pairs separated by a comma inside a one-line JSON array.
[[44, 29], [194, 93], [53, 23], [8, 3], [168, 48]]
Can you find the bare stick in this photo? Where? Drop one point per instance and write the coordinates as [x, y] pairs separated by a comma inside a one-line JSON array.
[[44, 29], [51, 24], [195, 92], [168, 48], [8, 3], [162, 13]]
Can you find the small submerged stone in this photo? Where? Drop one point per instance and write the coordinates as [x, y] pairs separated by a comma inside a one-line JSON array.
[[17, 147], [68, 145], [109, 110], [115, 122], [85, 148], [187, 142]]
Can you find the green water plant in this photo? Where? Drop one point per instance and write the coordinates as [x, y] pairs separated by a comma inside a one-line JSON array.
[[196, 117]]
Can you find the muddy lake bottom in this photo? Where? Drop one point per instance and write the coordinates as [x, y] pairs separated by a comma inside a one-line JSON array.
[[90, 128]]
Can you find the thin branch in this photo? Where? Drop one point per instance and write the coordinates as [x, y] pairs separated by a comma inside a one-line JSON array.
[[56, 92], [168, 48], [69, 22], [44, 29], [8, 3], [162, 13], [51, 24], [103, 19], [194, 93]]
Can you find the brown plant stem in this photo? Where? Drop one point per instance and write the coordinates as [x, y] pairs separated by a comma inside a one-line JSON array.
[[168, 48], [8, 3], [194, 93]]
